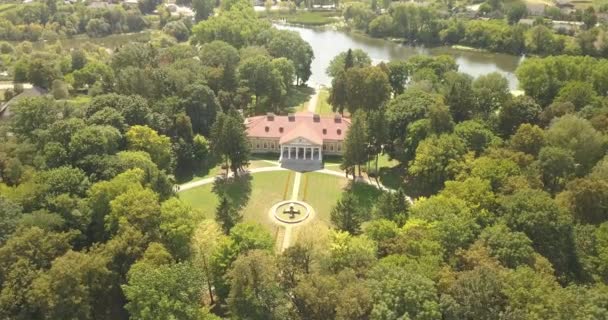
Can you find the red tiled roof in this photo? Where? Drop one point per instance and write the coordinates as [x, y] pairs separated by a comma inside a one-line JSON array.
[[303, 125]]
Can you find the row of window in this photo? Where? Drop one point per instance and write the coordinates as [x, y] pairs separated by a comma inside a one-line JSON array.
[[271, 146], [264, 145], [338, 131]]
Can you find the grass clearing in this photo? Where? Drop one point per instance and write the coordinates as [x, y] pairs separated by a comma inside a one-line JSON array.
[[256, 162], [308, 18], [4, 7], [253, 194], [323, 107]]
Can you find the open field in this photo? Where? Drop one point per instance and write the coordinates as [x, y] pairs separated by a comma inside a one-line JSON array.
[[323, 107], [309, 18], [254, 195]]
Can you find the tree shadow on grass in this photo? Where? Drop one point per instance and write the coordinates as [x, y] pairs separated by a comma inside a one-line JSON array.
[[236, 190], [391, 177], [366, 194], [297, 96]]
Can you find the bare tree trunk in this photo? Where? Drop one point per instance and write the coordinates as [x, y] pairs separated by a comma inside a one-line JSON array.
[[209, 286], [227, 167]]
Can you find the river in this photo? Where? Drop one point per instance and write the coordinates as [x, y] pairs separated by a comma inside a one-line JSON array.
[[327, 43]]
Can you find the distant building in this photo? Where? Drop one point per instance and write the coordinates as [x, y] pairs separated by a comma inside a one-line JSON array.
[[536, 9], [5, 111], [300, 139], [564, 4], [99, 5], [177, 10]]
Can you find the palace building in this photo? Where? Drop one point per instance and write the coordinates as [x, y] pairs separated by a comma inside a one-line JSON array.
[[299, 139]]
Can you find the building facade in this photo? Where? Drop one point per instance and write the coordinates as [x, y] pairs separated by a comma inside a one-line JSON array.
[[298, 139]]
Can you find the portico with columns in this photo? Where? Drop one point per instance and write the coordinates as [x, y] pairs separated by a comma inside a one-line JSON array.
[[299, 151]]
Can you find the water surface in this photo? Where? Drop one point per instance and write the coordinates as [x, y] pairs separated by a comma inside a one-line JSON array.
[[327, 43]]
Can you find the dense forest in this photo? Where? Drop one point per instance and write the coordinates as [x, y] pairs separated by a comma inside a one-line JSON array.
[[508, 217]]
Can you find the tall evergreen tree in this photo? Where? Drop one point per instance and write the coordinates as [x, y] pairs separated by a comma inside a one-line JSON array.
[[349, 60], [377, 134], [229, 141], [347, 214], [355, 144], [226, 215]]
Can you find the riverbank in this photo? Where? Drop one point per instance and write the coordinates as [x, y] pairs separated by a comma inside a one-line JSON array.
[[303, 18]]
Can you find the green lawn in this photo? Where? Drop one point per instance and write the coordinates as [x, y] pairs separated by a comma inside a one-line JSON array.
[[256, 162], [4, 7], [323, 107], [255, 195], [321, 191], [304, 17]]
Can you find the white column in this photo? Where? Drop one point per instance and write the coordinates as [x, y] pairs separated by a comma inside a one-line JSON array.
[[288, 152], [297, 153], [320, 154]]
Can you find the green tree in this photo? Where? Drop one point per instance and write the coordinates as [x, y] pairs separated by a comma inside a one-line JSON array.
[[491, 92], [587, 199], [205, 241], [518, 111], [338, 93], [536, 214], [74, 287], [10, 213], [255, 290], [377, 134], [459, 95], [201, 105], [177, 224], [355, 144], [399, 294], [31, 114], [350, 252], [516, 11], [434, 163], [137, 208], [226, 215], [174, 287], [229, 141], [578, 136], [346, 215], [143, 138], [557, 165], [79, 59], [202, 9], [440, 119], [338, 64], [398, 75], [475, 294], [393, 206], [475, 135], [290, 45], [528, 138], [41, 73], [512, 249], [580, 94]]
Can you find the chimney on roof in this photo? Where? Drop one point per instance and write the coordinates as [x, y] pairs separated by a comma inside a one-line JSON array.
[[337, 118], [270, 116], [291, 117], [316, 117]]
